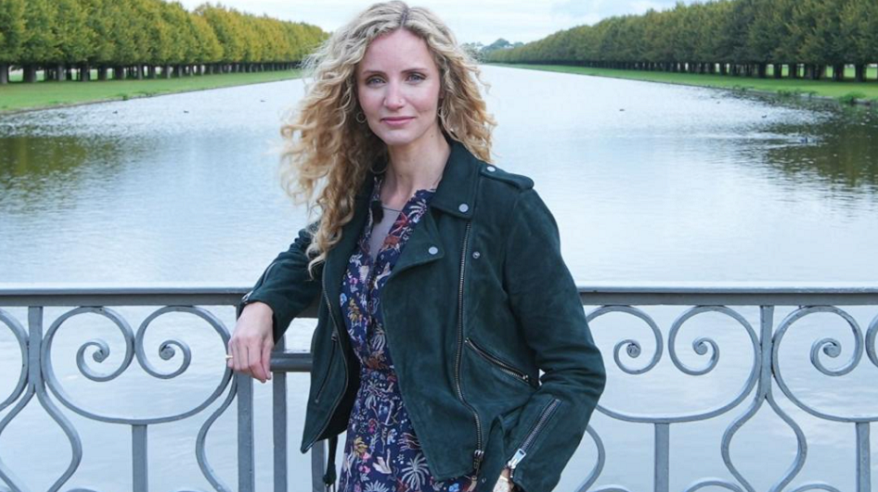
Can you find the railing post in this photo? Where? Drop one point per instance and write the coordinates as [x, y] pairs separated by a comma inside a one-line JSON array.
[[246, 476], [139, 458], [318, 462], [662, 457], [279, 412], [864, 473]]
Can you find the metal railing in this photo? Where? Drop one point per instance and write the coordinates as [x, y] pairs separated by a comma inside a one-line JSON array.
[[765, 375]]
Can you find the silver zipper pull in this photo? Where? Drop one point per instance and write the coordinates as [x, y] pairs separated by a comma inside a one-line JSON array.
[[477, 459], [515, 460]]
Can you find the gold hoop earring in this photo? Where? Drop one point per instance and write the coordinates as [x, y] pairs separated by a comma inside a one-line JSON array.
[[360, 117], [371, 168]]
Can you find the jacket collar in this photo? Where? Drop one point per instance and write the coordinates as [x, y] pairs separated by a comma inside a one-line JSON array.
[[456, 192], [455, 195]]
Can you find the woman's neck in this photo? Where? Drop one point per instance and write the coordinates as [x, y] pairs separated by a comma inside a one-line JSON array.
[[413, 168]]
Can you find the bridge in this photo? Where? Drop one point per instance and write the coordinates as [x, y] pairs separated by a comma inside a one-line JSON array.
[[765, 378]]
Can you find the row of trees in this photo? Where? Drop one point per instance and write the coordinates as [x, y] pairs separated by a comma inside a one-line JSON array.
[[134, 37], [742, 37]]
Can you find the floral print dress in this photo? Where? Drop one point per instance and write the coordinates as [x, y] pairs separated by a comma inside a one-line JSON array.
[[382, 452]]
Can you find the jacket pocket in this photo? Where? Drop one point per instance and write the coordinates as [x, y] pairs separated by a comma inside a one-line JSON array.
[[500, 364], [335, 348]]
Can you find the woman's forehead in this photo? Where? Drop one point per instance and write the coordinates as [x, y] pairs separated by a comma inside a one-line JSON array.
[[398, 50]]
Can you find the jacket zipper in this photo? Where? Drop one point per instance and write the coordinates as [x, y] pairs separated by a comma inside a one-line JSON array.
[[479, 453], [499, 363], [531, 436], [344, 361], [326, 378], [260, 282]]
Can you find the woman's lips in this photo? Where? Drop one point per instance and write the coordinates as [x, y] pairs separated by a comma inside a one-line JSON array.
[[397, 121]]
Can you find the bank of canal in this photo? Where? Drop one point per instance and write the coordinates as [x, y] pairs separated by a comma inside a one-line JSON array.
[[845, 92], [43, 95]]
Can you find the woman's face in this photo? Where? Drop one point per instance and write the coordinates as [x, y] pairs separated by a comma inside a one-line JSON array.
[[398, 89]]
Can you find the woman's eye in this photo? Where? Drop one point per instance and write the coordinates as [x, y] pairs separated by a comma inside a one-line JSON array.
[[416, 77], [373, 80]]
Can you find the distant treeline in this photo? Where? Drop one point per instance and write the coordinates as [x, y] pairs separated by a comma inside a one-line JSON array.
[[741, 37], [134, 38]]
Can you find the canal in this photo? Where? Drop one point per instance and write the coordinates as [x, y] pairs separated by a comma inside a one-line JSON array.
[[650, 184]]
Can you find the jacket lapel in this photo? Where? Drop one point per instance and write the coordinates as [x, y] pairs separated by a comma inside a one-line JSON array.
[[423, 246], [454, 196], [337, 258]]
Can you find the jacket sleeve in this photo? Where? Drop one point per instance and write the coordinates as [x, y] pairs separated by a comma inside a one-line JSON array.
[[285, 285], [547, 306]]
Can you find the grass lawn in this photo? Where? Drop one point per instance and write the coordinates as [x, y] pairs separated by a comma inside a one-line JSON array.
[[19, 96], [840, 90]]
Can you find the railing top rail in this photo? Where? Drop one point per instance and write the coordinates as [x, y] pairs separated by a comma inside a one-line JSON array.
[[643, 293]]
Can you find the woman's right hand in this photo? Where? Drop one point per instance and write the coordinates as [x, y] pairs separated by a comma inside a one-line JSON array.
[[252, 342]]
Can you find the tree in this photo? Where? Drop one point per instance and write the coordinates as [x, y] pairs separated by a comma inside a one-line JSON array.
[[12, 35], [74, 36], [209, 49], [859, 31]]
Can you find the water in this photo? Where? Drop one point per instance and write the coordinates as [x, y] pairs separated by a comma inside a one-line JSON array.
[[649, 183]]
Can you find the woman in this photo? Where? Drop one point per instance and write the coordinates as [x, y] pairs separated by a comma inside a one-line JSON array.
[[442, 291]]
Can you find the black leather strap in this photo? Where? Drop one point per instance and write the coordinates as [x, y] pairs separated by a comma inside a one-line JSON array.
[[330, 475]]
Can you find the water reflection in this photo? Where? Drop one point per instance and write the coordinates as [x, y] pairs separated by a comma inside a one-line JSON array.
[[37, 168], [841, 156]]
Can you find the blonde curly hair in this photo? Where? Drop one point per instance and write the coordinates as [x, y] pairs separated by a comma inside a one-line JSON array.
[[326, 146]]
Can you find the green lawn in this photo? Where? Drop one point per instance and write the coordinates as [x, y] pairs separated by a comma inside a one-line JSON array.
[[839, 90], [18, 96]]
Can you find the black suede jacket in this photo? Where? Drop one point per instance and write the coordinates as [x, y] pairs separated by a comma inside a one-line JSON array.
[[479, 302]]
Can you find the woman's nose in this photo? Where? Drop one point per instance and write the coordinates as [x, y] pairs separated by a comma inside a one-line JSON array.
[[393, 99]]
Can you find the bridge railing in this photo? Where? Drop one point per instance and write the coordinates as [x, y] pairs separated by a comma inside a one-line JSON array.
[[763, 383]]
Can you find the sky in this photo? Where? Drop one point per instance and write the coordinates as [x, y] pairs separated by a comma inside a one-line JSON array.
[[471, 21]]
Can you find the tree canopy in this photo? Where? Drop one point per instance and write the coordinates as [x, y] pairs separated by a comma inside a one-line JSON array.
[[155, 32], [721, 31]]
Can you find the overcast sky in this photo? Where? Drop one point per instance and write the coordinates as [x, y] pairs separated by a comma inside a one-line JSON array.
[[471, 20]]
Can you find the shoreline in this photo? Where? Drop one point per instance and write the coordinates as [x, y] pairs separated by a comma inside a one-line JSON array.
[[784, 90], [140, 92]]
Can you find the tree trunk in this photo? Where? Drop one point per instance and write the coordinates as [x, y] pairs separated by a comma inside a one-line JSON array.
[[838, 72], [4, 73], [762, 70], [102, 73], [861, 72], [118, 73], [778, 70], [150, 72], [84, 72]]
